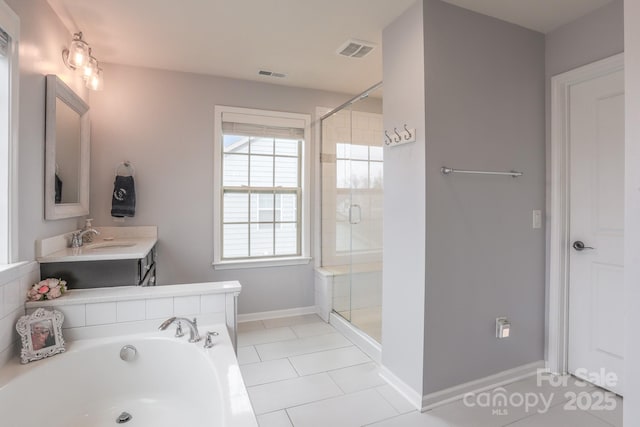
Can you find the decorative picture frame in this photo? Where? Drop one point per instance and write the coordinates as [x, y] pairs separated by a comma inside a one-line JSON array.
[[41, 334]]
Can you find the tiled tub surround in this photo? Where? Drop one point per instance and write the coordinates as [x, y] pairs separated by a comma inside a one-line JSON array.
[[90, 313], [15, 281], [300, 372], [169, 382]]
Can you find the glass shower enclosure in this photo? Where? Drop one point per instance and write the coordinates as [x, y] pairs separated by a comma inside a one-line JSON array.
[[352, 196]]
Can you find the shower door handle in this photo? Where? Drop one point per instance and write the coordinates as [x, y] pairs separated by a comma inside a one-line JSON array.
[[355, 214]]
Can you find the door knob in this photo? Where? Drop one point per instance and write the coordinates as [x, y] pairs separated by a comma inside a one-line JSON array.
[[579, 246]]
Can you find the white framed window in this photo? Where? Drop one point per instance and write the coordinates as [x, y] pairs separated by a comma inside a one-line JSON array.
[[261, 211], [9, 71]]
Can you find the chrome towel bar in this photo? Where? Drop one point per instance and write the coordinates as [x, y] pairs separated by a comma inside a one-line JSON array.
[[446, 171]]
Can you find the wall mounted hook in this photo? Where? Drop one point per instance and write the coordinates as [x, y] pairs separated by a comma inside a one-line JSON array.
[[398, 138], [408, 135], [387, 138]]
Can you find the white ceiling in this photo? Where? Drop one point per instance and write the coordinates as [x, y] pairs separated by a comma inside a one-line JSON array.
[[237, 38]]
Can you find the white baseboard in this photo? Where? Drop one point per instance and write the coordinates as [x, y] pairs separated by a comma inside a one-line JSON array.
[[364, 342], [412, 396], [433, 400], [264, 315], [452, 394]]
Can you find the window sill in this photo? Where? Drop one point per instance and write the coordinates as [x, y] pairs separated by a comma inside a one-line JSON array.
[[260, 263]]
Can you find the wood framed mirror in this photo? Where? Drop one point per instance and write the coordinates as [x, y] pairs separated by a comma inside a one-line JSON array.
[[67, 147]]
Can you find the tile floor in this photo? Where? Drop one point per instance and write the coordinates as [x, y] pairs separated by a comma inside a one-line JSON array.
[[301, 372]]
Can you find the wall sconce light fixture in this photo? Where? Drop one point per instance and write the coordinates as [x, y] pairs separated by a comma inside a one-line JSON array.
[[79, 57]]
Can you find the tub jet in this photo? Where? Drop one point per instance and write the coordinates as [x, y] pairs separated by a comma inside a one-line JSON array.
[[124, 417]]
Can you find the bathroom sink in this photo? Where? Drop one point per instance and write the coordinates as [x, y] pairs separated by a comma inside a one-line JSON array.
[[105, 245]]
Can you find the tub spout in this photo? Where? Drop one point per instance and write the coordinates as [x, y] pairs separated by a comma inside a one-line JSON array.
[[194, 336]]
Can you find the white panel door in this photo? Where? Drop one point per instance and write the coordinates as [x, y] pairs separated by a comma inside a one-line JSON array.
[[596, 315]]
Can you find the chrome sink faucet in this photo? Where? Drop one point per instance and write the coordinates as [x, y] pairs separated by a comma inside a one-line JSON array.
[[76, 237], [194, 336]]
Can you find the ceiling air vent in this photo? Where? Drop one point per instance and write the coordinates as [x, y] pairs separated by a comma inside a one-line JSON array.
[[271, 74], [355, 48]]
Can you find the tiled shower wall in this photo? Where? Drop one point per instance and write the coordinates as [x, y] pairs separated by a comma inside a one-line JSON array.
[[14, 283]]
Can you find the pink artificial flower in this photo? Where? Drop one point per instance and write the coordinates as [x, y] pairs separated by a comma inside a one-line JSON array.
[[52, 283], [54, 293], [37, 297], [43, 289]]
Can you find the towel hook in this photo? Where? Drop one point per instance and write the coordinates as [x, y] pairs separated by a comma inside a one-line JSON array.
[[387, 140], [408, 135], [127, 164], [398, 138]]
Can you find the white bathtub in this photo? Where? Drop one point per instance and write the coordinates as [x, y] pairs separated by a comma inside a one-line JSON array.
[[171, 383]]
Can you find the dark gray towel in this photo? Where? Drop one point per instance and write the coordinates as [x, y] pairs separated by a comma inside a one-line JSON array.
[[123, 201], [58, 186]]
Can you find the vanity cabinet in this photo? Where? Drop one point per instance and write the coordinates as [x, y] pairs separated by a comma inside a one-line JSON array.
[[104, 273], [117, 256]]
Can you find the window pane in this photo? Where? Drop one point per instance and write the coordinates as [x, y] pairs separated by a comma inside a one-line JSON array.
[[375, 178], [288, 207], [343, 151], [235, 170], [262, 146], [343, 174], [286, 239], [236, 206], [260, 204], [235, 144], [236, 240], [261, 171], [360, 152], [359, 174], [261, 239], [286, 172], [375, 153], [287, 147]]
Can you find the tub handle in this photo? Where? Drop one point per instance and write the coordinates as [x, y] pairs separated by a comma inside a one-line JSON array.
[[179, 332], [208, 342], [128, 353]]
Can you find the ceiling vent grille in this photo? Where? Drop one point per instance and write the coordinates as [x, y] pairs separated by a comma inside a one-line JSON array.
[[271, 74], [355, 48]]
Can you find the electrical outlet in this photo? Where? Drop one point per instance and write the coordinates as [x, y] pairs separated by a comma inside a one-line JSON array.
[[503, 327], [537, 219]]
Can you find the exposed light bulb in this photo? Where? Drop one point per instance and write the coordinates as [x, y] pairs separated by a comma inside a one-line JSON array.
[[78, 52], [91, 66], [95, 81]]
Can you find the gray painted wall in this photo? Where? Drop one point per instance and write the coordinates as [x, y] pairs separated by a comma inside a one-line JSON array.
[[162, 122], [595, 36], [484, 111], [404, 200], [42, 38]]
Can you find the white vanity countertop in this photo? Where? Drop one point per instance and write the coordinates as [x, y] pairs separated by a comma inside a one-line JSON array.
[[128, 293], [113, 243]]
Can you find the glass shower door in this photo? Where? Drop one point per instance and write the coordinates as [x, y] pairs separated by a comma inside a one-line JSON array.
[[352, 172], [364, 157], [337, 211]]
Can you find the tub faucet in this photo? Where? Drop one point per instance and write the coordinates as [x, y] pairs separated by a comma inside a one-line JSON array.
[[76, 237], [194, 336]]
